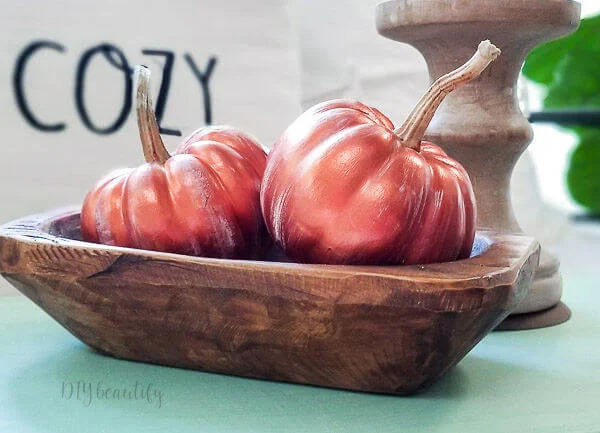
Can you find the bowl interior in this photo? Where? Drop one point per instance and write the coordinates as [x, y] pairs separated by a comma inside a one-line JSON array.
[[69, 227]]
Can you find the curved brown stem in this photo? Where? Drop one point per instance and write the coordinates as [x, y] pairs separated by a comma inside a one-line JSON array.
[[154, 148], [413, 129]]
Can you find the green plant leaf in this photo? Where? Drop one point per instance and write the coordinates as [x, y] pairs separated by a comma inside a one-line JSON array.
[[576, 82], [583, 175], [542, 63], [569, 68]]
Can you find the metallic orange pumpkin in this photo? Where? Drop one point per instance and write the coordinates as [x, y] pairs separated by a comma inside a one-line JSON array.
[[203, 200], [343, 187]]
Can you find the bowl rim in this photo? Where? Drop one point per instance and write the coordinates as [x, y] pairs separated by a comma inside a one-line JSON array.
[[498, 264]]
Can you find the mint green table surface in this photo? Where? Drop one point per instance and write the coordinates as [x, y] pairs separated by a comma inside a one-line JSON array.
[[545, 380]]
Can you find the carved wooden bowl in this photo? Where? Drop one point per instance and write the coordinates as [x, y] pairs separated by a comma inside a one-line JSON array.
[[378, 329]]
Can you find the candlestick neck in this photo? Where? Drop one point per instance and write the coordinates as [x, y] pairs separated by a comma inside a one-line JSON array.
[[413, 129]]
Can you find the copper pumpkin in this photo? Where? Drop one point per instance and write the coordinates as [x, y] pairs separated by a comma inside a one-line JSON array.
[[342, 186], [203, 200]]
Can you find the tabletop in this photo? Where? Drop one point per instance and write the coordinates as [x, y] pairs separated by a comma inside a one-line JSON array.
[[544, 380]]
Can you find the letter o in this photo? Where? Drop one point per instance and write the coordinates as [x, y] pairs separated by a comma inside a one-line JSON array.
[[120, 63]]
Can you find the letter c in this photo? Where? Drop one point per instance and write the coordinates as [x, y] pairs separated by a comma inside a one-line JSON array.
[[18, 78]]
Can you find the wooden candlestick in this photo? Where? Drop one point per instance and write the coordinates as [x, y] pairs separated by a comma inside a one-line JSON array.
[[481, 124]]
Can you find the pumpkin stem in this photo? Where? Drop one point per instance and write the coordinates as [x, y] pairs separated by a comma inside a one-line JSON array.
[[413, 129], [154, 148]]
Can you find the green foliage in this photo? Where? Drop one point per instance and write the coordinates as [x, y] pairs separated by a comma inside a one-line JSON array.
[[543, 62], [570, 70], [583, 176], [576, 85]]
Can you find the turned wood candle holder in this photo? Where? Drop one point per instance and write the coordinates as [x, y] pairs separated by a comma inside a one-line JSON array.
[[481, 124]]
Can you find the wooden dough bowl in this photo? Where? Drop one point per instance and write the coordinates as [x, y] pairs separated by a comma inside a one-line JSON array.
[[392, 329]]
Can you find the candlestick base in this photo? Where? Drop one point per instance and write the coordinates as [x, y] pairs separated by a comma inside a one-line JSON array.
[[547, 286], [560, 313]]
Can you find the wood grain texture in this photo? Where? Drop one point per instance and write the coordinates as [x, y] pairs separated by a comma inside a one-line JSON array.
[[367, 328]]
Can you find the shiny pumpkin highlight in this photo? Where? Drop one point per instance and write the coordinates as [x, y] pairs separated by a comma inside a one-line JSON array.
[[203, 200], [342, 186]]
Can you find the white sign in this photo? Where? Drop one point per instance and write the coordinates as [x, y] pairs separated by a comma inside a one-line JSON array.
[[66, 89]]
